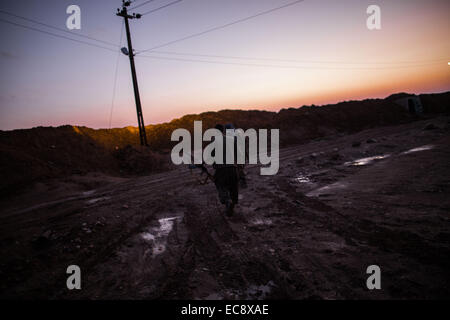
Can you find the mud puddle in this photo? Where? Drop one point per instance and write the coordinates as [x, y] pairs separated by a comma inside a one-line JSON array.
[[418, 149], [88, 193], [92, 201], [157, 236], [301, 178], [327, 190], [366, 161], [261, 221]]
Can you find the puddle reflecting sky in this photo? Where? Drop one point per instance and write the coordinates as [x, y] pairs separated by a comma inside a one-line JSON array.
[[87, 193], [261, 221], [329, 189], [422, 148], [158, 235], [92, 201], [300, 178], [366, 161]]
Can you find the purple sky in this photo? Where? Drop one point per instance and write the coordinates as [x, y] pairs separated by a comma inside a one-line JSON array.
[[52, 81]]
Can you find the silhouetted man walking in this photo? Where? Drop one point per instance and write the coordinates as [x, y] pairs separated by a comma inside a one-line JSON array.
[[226, 177]]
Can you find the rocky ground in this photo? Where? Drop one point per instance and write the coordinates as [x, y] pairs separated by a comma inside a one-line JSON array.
[[337, 205]]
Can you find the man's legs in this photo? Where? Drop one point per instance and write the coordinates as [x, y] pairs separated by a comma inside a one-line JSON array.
[[223, 193], [226, 181], [241, 175], [220, 180], [233, 188]]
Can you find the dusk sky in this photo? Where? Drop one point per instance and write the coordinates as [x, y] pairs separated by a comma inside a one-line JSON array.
[[313, 52]]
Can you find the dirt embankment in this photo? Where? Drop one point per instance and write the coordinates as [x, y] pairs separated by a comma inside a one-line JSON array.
[[42, 153]]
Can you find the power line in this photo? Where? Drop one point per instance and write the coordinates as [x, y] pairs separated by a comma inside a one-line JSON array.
[[283, 66], [216, 62], [142, 4], [222, 26], [115, 76], [293, 60], [162, 7], [56, 35], [56, 28], [218, 56]]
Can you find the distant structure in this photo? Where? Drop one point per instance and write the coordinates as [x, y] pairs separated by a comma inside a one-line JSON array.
[[411, 103]]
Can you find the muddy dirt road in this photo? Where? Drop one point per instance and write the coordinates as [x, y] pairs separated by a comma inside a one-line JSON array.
[[337, 205]]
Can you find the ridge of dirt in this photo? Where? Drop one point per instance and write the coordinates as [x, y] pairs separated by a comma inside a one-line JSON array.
[[43, 154]]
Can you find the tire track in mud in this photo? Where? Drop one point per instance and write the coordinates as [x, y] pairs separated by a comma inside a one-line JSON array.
[[216, 247], [320, 219]]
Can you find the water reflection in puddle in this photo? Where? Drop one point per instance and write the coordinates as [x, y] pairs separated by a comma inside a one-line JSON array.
[[261, 221], [158, 235], [300, 178], [366, 161], [327, 190], [422, 148], [92, 201], [88, 193]]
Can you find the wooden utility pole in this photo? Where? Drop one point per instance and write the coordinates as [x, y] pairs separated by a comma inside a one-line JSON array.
[[123, 13]]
